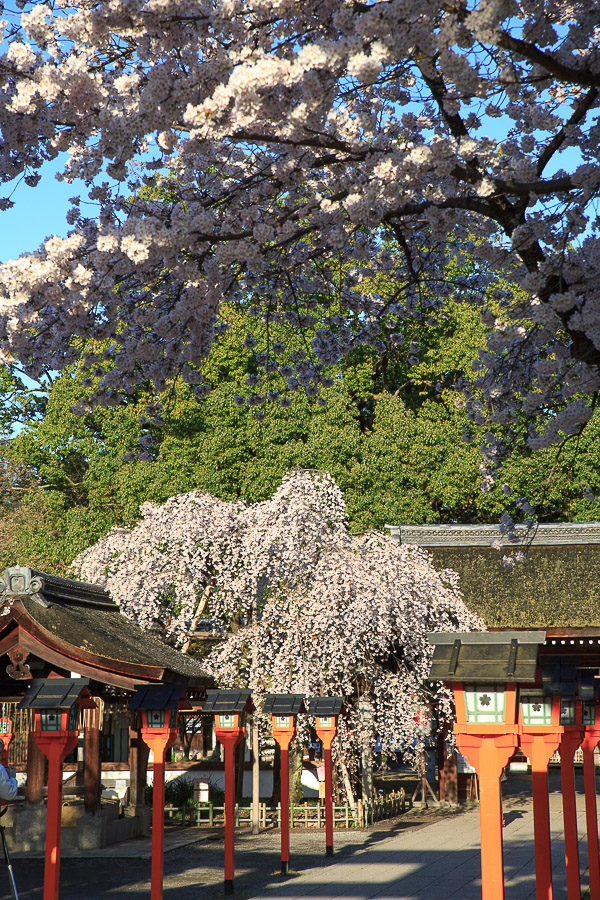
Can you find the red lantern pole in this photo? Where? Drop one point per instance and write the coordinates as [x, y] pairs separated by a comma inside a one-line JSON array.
[[539, 748], [326, 734], [539, 743], [569, 744], [55, 746], [284, 737], [328, 802], [489, 753], [588, 745], [159, 741], [285, 809], [229, 738]]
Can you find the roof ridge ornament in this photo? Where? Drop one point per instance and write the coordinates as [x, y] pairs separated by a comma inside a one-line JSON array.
[[19, 581]]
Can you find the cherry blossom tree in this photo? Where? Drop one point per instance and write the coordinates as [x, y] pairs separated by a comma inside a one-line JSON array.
[[308, 606], [230, 145]]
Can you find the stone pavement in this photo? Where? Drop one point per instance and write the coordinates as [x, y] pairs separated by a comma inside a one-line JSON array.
[[405, 860], [440, 861]]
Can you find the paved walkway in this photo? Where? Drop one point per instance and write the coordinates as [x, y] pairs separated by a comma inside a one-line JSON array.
[[439, 861], [408, 861]]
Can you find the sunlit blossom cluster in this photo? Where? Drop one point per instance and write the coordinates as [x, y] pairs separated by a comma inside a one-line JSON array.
[[274, 139], [308, 606]]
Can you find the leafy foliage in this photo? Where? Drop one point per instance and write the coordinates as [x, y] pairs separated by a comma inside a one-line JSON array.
[[284, 156], [390, 434]]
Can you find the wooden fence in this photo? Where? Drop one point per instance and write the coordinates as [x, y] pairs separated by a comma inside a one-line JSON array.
[[302, 816]]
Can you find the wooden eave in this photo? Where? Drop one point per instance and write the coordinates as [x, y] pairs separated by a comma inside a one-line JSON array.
[[31, 636]]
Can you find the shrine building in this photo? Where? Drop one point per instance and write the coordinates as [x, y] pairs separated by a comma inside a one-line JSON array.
[[52, 627]]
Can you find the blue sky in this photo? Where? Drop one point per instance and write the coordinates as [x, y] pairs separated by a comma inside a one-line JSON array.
[[38, 212], [41, 212]]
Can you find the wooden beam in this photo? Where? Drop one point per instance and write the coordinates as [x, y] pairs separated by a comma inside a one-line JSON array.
[[92, 766], [138, 767], [36, 771]]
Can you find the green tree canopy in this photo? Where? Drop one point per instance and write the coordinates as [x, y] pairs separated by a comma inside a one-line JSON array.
[[390, 434]]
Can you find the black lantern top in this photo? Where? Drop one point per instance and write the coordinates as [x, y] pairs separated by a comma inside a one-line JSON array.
[[559, 676], [159, 696], [284, 704], [53, 693], [227, 702], [485, 657], [324, 706]]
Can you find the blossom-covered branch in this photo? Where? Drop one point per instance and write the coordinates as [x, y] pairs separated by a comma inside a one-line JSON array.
[[228, 143]]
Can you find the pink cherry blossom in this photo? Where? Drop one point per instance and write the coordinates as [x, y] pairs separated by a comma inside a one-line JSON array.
[[309, 607]]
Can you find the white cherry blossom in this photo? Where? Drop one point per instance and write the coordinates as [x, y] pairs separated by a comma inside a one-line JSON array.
[[309, 607], [243, 149]]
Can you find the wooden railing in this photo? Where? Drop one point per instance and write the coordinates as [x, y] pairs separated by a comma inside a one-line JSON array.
[[302, 816]]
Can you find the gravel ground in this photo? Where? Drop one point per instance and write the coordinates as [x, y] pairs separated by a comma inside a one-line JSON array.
[[195, 871]]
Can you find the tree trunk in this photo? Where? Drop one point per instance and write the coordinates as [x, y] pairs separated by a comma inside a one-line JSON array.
[[296, 759], [239, 779], [347, 784], [366, 734], [199, 610], [255, 779], [276, 793]]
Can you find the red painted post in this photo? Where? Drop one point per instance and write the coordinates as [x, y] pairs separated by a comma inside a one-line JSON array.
[[229, 743], [159, 706], [328, 803], [569, 744], [326, 734], [489, 753], [56, 746], [541, 836], [53, 820], [588, 745], [159, 741], [539, 748], [230, 729], [284, 732], [158, 827], [285, 809]]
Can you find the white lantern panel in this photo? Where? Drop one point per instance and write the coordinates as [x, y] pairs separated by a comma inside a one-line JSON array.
[[227, 720], [282, 721], [589, 713], [51, 720], [536, 710], [156, 718], [567, 712], [485, 705], [325, 721]]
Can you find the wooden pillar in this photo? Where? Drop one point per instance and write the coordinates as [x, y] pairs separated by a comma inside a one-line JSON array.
[[448, 770], [138, 767], [588, 746], [36, 771], [201, 740], [539, 748], [92, 770], [569, 744], [489, 754]]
